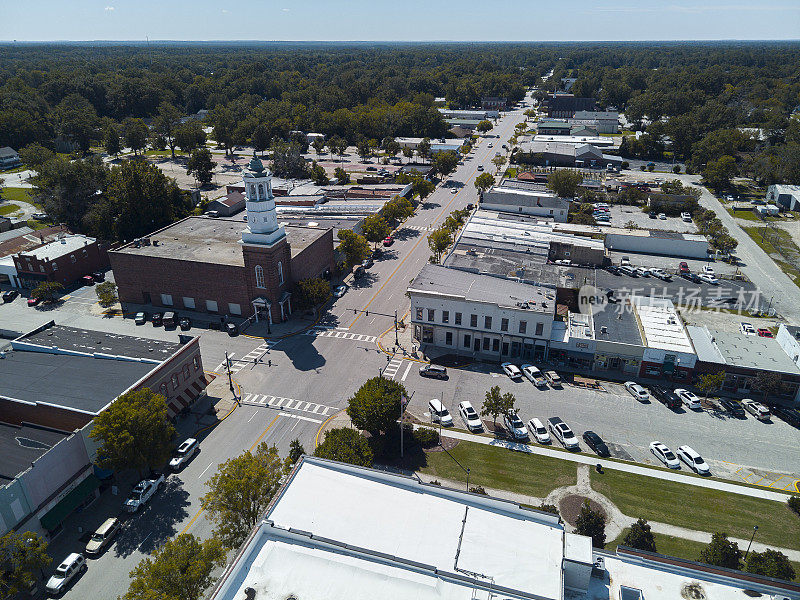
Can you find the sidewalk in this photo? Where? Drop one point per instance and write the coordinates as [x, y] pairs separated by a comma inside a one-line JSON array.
[[210, 409], [622, 466]]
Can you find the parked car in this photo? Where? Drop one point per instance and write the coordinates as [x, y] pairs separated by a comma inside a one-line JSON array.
[[102, 536], [439, 414], [33, 301], [706, 278], [629, 270], [766, 333], [788, 414], [758, 410], [747, 328], [454, 191], [388, 240], [642, 272], [693, 460], [142, 492], [185, 323], [666, 396], [511, 370], [140, 318], [534, 375], [232, 329], [683, 267], [708, 269], [624, 261], [661, 274], [553, 378], [39, 216], [687, 217], [665, 455], [169, 319], [10, 295], [99, 276], [156, 319], [732, 407], [662, 216], [65, 572], [653, 214], [339, 291], [538, 431], [613, 269], [563, 433], [434, 371], [688, 398], [637, 391], [184, 454], [480, 167], [469, 416], [596, 443], [514, 426]]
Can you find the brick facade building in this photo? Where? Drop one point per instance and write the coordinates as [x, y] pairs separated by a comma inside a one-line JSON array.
[[225, 266], [64, 260]]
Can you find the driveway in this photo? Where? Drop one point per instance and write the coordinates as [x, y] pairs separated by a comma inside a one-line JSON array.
[[19, 180]]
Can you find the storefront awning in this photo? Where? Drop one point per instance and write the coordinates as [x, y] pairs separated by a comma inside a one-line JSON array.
[[70, 502]]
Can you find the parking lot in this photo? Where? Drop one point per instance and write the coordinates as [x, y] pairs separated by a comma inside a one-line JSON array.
[[732, 447], [621, 214]]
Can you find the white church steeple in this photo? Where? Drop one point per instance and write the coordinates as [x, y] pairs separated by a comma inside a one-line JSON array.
[[262, 219]]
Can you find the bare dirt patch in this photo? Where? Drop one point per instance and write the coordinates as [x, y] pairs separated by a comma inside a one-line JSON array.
[[570, 508]]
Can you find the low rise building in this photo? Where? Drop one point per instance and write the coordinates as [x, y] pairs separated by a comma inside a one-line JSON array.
[[550, 127], [53, 382], [480, 315], [494, 103], [468, 124], [9, 158], [567, 154], [437, 144], [229, 205], [526, 202], [471, 113], [607, 120], [564, 106], [65, 261], [786, 196]]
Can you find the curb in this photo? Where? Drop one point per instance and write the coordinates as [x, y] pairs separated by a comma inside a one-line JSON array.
[[316, 438], [287, 335], [230, 412]]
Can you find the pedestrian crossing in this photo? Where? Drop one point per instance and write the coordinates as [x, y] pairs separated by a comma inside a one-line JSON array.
[[392, 368], [342, 335], [240, 363], [417, 227], [287, 404]]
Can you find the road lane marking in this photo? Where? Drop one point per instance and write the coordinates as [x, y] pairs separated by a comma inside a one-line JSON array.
[[204, 470], [341, 335], [408, 368], [287, 403], [300, 417]]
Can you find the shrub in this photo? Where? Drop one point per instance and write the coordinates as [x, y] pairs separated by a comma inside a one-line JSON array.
[[426, 436], [676, 169], [625, 164], [478, 489], [549, 508], [794, 504]]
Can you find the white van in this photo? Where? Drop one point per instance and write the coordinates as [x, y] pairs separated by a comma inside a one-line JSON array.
[[439, 413], [101, 538]]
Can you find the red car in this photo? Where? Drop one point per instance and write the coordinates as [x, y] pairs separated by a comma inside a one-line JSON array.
[[684, 267], [32, 301], [765, 333], [87, 280], [388, 240]]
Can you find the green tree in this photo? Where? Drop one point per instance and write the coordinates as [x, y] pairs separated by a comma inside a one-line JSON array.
[[355, 247], [345, 445], [770, 563], [240, 491], [106, 293], [22, 557], [35, 155], [408, 152], [135, 132], [640, 537], [424, 148], [484, 126], [341, 175], [375, 407], [439, 240], [67, 189], [725, 243], [445, 162], [422, 187], [190, 135], [484, 181], [178, 570], [312, 292], [296, 449], [111, 141], [288, 161], [76, 119], [364, 149], [166, 123], [375, 228], [718, 173], [319, 145], [318, 174], [591, 523], [710, 382], [495, 403], [499, 161], [224, 121], [769, 383], [134, 432], [201, 165], [260, 138], [564, 182], [721, 552], [47, 291]]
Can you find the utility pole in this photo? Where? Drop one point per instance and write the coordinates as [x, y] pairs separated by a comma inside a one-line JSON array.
[[228, 367], [396, 338]]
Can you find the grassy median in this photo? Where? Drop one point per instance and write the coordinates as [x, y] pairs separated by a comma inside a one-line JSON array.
[[699, 508], [493, 467]]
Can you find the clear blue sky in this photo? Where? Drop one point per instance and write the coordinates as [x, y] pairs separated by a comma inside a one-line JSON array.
[[578, 20]]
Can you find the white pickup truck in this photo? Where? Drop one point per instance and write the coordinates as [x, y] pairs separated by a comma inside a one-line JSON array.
[[142, 492]]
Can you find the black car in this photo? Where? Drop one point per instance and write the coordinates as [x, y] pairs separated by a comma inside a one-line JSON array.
[[596, 443], [613, 269], [733, 407], [99, 276], [790, 415], [232, 329], [653, 215], [665, 396], [10, 295], [185, 323], [156, 319]]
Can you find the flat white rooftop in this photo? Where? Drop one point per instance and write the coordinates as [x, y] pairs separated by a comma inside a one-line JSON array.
[[66, 245], [663, 328]]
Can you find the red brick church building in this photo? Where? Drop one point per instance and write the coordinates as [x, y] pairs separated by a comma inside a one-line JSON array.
[[225, 266]]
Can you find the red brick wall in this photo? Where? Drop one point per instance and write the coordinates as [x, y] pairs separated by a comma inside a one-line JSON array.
[[88, 259], [136, 274], [314, 259], [15, 413], [268, 259]]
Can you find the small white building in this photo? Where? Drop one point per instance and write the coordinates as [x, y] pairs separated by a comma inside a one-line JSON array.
[[786, 196], [525, 202], [491, 317], [607, 121], [768, 210], [662, 243]]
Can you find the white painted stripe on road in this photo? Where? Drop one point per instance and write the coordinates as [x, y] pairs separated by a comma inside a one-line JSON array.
[[408, 368], [301, 417], [204, 470]]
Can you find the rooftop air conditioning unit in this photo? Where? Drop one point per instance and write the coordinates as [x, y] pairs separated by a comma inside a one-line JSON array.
[[603, 329]]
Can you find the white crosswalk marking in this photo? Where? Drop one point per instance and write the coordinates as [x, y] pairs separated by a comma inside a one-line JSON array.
[[391, 369], [416, 227], [342, 335], [240, 363], [287, 404]]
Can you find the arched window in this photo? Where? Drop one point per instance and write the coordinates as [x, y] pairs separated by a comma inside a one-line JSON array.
[[259, 277], [280, 273], [260, 191], [252, 192]]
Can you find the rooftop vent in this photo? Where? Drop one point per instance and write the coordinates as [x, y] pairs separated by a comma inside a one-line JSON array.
[[603, 329], [249, 593], [145, 241]]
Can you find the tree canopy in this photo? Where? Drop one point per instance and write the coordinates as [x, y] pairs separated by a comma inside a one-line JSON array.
[[495, 403], [564, 182], [22, 556], [375, 407], [771, 563], [354, 246], [640, 537], [721, 552], [345, 445], [592, 523]]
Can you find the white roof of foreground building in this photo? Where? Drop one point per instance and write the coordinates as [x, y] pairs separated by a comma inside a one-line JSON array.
[[663, 328], [343, 532]]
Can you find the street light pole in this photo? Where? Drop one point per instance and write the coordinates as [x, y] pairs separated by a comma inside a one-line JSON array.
[[228, 367], [396, 338], [755, 528]]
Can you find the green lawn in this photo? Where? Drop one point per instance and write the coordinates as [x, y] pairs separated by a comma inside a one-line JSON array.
[[16, 194], [680, 547], [503, 469], [7, 209], [769, 248], [746, 215], [699, 508]]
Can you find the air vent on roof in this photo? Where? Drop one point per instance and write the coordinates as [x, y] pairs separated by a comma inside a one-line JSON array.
[[603, 329]]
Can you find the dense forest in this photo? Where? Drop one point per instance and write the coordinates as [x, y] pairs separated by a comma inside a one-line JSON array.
[[691, 101]]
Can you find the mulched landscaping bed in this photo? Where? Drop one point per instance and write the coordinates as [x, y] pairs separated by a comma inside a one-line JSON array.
[[570, 508]]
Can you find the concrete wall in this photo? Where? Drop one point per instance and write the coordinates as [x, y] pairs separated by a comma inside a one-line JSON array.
[[13, 505], [640, 244]]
